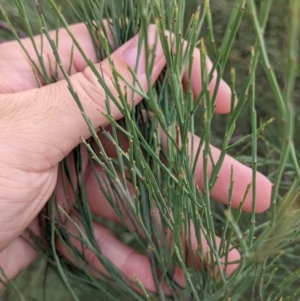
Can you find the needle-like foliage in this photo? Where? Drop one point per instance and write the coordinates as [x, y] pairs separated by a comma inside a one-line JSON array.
[[150, 182]]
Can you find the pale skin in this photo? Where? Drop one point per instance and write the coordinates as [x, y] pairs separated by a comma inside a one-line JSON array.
[[41, 126]]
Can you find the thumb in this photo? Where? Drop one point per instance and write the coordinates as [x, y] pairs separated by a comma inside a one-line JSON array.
[[47, 121]]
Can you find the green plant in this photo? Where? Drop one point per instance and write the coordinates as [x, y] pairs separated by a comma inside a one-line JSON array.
[[165, 178]]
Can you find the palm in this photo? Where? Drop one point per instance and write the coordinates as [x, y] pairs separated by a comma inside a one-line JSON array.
[[35, 172]]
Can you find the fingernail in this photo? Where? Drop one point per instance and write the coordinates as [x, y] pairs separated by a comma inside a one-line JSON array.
[[130, 54]]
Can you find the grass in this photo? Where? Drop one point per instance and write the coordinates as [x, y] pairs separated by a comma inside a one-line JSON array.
[[272, 273]]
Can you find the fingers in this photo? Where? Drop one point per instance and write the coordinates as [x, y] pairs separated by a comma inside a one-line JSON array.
[[97, 199], [229, 262], [223, 96], [134, 265], [19, 254], [127, 260], [48, 120], [100, 206], [242, 177], [13, 261], [17, 65]]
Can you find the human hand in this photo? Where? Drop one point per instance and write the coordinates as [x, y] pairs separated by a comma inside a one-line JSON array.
[[41, 126]]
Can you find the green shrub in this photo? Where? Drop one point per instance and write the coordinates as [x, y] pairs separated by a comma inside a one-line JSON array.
[[255, 47]]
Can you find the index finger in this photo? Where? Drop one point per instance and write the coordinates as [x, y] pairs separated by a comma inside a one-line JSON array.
[[17, 66]]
